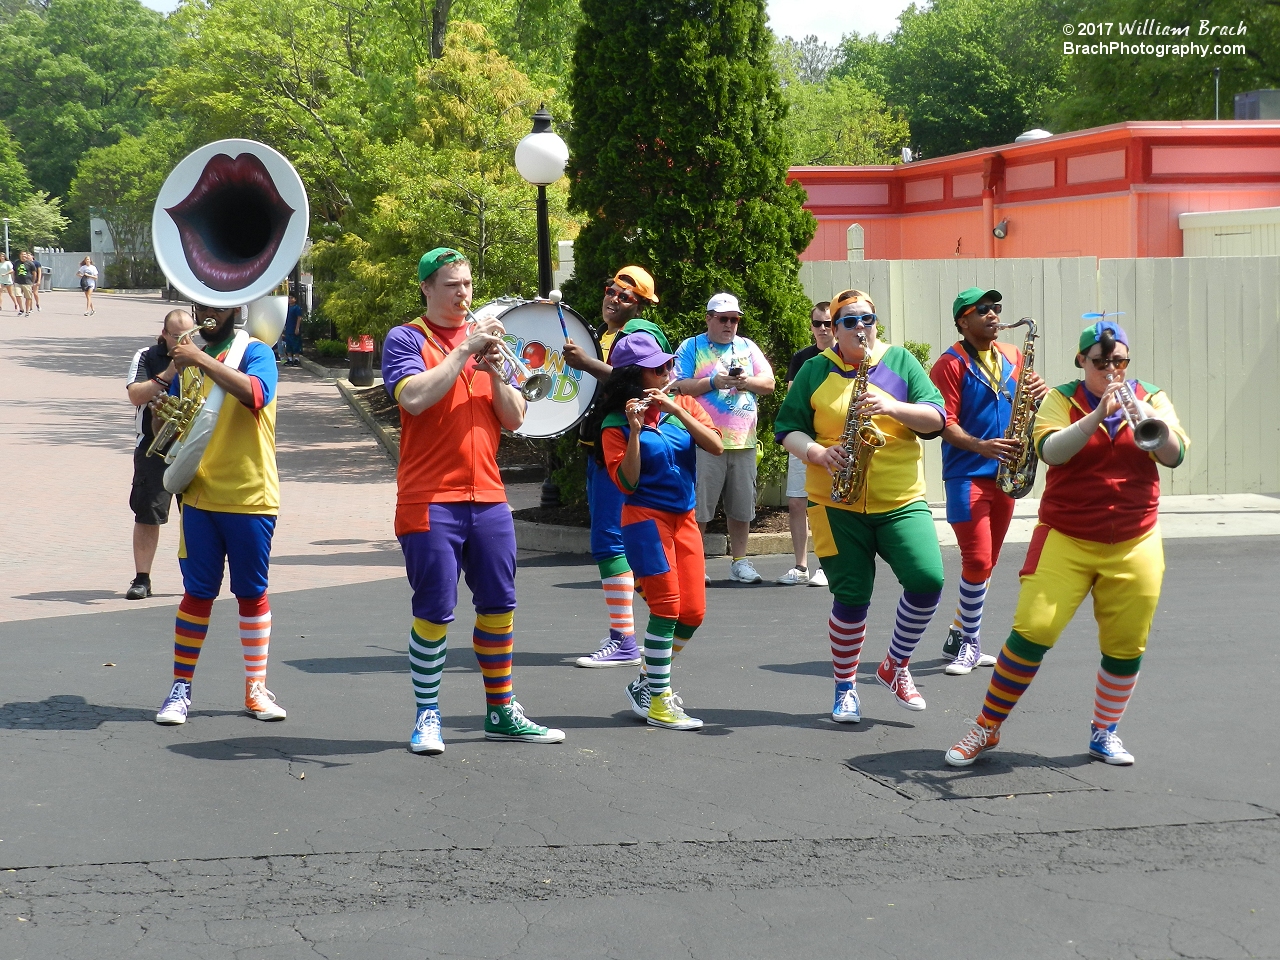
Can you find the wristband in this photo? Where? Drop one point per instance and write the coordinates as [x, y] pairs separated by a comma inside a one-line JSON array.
[[162, 383]]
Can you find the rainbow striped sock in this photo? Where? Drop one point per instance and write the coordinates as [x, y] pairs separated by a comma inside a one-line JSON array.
[[657, 653], [427, 650], [619, 585], [1015, 669], [1116, 680], [973, 597], [847, 628], [188, 634], [255, 635], [493, 640], [684, 633], [915, 610]]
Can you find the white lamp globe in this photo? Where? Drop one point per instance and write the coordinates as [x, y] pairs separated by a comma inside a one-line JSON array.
[[541, 156]]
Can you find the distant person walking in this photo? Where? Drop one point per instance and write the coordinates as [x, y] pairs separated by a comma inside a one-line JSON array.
[[6, 281], [88, 275], [37, 274], [24, 277]]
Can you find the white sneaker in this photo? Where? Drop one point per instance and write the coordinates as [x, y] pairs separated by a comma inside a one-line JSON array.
[[174, 708], [818, 578], [743, 572], [793, 577]]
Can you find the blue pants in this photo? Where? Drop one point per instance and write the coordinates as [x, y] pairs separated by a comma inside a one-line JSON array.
[[241, 540], [604, 500], [476, 538]]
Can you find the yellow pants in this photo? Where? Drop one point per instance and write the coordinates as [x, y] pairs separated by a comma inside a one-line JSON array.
[[1124, 578]]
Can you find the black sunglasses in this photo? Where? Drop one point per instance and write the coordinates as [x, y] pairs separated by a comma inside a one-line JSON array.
[[822, 323], [858, 320], [984, 308], [622, 296], [1101, 363]]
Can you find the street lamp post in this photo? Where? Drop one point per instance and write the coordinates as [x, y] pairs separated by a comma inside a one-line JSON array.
[[6, 238], [540, 158]]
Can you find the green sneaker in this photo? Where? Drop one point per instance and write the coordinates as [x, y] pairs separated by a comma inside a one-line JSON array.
[[509, 723]]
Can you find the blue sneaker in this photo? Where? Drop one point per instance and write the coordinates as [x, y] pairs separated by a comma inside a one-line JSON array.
[[426, 733], [846, 709], [1106, 746]]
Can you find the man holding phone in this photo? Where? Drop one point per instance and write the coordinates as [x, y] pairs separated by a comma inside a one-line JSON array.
[[726, 373]]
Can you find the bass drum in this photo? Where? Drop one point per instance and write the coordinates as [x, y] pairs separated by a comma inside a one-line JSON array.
[[534, 335]]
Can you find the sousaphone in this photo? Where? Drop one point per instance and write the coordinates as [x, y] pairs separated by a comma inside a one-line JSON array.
[[228, 226]]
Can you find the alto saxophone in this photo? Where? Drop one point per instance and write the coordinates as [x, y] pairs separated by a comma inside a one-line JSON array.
[[860, 439], [1017, 474]]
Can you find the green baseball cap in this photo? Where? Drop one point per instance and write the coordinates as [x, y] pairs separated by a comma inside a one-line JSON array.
[[967, 298], [648, 326], [433, 260]]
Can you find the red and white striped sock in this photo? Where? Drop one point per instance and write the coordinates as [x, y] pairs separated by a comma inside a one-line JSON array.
[[1111, 696], [848, 628], [255, 635]]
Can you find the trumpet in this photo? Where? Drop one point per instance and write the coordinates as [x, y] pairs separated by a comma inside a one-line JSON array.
[[1149, 433], [179, 413], [514, 371]]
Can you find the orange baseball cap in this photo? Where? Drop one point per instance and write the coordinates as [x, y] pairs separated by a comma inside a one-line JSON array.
[[638, 281]]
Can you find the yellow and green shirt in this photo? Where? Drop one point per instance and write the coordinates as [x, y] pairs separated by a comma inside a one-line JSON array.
[[817, 404]]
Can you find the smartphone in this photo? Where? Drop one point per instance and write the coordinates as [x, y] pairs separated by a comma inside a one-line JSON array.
[[735, 371]]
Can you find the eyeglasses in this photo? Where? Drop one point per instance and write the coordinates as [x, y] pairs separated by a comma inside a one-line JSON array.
[[858, 320], [729, 318], [985, 308], [1101, 363], [819, 324], [622, 296]]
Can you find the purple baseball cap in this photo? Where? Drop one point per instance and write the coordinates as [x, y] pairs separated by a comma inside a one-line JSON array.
[[637, 349]]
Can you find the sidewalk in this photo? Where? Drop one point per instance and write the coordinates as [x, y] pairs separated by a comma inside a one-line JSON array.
[[66, 435]]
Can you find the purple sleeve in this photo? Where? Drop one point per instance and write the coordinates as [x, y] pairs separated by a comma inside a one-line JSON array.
[[401, 356]]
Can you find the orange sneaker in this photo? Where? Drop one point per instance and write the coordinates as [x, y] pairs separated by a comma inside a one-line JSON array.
[[981, 738], [260, 702]]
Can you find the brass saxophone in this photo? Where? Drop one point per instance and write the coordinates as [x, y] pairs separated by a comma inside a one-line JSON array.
[[1017, 474], [860, 439]]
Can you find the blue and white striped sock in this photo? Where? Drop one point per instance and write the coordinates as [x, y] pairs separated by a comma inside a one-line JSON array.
[[915, 610], [969, 612]]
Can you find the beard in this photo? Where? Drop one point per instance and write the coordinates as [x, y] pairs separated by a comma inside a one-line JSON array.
[[221, 331]]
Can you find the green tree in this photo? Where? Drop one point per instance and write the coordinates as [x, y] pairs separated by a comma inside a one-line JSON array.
[[37, 222], [15, 185], [451, 181], [839, 121], [74, 78], [972, 73], [1116, 88]]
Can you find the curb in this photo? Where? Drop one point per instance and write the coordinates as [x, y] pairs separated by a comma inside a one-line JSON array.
[[389, 446]]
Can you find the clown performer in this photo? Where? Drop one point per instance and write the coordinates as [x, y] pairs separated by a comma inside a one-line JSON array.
[[1098, 532], [646, 442], [889, 517], [451, 507], [625, 296]]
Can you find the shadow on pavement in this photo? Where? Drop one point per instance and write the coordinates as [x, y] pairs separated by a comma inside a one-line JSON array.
[[536, 558], [866, 671], [74, 596], [925, 775], [368, 558], [460, 661], [294, 749], [82, 356], [65, 712]]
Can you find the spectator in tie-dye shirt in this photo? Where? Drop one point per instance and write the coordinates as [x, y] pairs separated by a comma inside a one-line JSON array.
[[727, 373]]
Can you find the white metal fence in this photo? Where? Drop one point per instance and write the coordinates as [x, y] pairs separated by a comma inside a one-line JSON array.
[[1206, 329]]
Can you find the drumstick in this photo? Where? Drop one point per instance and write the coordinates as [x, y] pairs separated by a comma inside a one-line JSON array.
[[555, 296]]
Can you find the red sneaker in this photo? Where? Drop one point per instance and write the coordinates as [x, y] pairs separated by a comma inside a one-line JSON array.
[[895, 675], [980, 738]]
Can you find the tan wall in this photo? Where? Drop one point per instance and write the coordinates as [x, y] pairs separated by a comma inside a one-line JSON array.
[[1205, 329]]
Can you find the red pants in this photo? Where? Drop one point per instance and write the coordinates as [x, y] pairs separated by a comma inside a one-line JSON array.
[[982, 534], [681, 592]]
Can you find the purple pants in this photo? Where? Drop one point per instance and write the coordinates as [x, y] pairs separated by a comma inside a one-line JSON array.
[[476, 538]]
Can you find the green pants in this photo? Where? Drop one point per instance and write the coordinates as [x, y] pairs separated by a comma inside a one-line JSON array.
[[848, 544]]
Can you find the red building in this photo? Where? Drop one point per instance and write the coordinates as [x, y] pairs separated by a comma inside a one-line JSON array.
[[1111, 191]]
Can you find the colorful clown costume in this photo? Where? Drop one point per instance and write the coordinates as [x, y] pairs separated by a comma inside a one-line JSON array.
[[604, 501], [228, 517], [1098, 533], [890, 518], [977, 388], [452, 517], [663, 545]]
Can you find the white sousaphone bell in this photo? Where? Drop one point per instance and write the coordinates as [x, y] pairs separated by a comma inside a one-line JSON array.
[[228, 226]]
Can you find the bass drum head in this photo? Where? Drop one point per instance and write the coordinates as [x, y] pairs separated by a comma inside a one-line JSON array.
[[533, 333]]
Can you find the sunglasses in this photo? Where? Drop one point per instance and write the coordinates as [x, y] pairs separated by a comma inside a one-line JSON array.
[[1101, 363], [983, 309], [858, 320], [820, 324], [622, 296]]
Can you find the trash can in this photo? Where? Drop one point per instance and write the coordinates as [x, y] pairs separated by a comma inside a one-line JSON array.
[[360, 353]]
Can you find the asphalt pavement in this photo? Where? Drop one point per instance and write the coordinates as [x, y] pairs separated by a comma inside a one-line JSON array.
[[773, 832]]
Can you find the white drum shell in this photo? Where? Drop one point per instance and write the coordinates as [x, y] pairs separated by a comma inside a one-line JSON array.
[[533, 333]]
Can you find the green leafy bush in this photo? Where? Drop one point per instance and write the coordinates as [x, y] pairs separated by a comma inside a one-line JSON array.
[[331, 348]]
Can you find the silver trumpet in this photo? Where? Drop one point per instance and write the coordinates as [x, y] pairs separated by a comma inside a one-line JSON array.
[[514, 371], [1149, 433]]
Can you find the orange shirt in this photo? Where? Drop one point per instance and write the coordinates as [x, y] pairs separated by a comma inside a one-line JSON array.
[[448, 452]]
